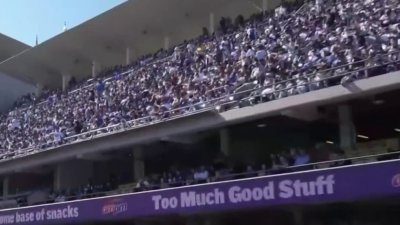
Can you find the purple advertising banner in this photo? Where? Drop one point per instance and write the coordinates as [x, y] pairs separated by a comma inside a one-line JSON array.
[[311, 187]]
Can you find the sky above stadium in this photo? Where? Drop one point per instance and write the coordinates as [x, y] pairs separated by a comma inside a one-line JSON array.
[[25, 19]]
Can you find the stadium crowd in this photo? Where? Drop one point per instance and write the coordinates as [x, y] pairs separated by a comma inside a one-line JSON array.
[[281, 53]]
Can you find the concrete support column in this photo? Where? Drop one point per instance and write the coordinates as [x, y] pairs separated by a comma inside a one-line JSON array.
[[95, 70], [167, 42], [39, 89], [224, 141], [264, 5], [57, 178], [72, 174], [346, 127], [65, 81], [138, 164], [6, 182], [128, 56], [211, 27]]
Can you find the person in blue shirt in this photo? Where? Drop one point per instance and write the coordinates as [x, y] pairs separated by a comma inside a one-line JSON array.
[[301, 158], [100, 87]]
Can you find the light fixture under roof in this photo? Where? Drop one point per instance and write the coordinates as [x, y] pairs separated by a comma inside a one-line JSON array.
[[378, 101], [362, 136], [397, 129], [330, 142], [261, 125]]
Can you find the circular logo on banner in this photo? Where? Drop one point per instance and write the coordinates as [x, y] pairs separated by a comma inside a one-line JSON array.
[[396, 180]]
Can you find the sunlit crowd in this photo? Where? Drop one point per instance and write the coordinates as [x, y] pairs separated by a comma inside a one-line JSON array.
[[285, 52]]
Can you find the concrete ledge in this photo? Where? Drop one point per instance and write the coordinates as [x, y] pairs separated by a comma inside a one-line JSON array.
[[331, 95], [192, 123]]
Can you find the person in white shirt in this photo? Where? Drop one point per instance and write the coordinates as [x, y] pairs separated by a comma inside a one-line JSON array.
[[249, 52], [58, 136]]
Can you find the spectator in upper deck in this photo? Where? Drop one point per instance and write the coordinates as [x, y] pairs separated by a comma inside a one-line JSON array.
[[280, 54]]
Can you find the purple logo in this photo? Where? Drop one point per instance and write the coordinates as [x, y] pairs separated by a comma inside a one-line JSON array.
[[396, 180], [114, 207]]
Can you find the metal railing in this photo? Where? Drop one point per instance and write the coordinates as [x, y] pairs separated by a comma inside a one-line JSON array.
[[219, 104], [131, 188]]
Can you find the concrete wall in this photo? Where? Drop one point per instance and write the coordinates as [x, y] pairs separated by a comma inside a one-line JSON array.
[[22, 182], [11, 89]]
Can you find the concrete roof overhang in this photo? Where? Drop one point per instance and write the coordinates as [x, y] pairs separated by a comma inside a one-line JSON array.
[[140, 25]]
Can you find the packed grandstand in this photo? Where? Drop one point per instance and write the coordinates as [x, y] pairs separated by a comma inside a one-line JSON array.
[[296, 49], [269, 57]]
